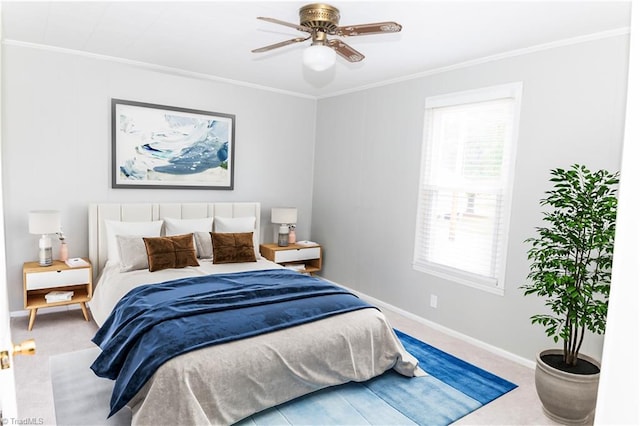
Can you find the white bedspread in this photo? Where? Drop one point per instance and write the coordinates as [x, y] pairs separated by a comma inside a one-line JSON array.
[[225, 383]]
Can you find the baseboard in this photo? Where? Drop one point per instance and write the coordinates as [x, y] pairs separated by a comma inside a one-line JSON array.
[[453, 333], [63, 308]]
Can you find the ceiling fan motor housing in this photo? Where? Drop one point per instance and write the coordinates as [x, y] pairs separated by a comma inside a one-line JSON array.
[[320, 16]]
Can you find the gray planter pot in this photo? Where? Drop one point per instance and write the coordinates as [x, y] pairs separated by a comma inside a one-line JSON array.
[[566, 398]]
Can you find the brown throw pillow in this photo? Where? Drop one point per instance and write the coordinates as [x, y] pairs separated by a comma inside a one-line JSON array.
[[233, 247], [176, 251]]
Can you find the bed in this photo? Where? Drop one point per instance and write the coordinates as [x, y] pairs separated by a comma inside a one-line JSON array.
[[221, 381]]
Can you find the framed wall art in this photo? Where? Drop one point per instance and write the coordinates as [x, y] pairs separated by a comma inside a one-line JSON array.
[[158, 146]]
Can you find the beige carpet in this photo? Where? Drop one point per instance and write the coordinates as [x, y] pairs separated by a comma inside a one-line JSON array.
[[90, 408], [62, 332]]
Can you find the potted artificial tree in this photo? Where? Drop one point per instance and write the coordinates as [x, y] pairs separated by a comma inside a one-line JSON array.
[[571, 261]]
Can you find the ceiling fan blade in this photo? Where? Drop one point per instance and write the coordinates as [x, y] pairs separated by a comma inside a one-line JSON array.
[[346, 51], [286, 24], [366, 29], [281, 44]]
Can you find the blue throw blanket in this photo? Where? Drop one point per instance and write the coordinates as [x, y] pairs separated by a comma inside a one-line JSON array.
[[154, 323]]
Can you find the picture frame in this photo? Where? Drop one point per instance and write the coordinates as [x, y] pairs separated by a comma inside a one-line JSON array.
[[165, 147]]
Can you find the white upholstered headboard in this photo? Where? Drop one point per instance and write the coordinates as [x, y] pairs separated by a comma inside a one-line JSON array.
[[143, 212]]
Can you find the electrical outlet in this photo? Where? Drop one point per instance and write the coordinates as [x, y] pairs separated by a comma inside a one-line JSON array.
[[434, 301]]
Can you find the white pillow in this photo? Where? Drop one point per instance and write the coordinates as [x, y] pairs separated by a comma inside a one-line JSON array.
[[133, 253], [234, 224], [204, 245], [238, 224], [142, 229], [197, 227], [187, 226]]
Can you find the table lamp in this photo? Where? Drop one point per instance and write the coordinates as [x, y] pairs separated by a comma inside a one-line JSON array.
[[285, 217], [44, 223]]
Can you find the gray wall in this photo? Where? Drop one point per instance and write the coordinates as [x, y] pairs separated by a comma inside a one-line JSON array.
[[56, 144], [367, 163]]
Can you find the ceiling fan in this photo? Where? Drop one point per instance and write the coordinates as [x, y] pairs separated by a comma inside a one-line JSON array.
[[319, 21]]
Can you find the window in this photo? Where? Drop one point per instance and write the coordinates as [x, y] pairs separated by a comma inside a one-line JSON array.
[[465, 188]]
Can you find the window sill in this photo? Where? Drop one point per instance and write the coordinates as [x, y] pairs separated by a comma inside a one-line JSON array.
[[460, 277]]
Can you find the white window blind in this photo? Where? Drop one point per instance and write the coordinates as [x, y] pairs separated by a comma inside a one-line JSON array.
[[465, 188]]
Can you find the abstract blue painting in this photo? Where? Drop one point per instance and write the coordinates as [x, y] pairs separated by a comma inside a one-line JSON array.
[[157, 146]]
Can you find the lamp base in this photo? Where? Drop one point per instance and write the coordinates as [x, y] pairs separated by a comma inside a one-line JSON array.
[[283, 240], [283, 236], [45, 257]]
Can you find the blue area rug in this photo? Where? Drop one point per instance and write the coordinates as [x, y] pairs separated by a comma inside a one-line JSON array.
[[452, 389]]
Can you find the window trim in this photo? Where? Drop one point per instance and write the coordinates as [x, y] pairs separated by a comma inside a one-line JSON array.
[[491, 285]]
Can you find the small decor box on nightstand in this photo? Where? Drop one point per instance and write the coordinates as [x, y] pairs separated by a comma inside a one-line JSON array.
[[38, 281], [303, 258]]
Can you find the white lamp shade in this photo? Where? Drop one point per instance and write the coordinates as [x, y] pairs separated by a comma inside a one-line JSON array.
[[44, 222], [318, 57], [284, 215]]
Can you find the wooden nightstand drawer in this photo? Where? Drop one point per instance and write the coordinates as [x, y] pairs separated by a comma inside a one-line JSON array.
[[297, 254], [301, 258], [52, 279]]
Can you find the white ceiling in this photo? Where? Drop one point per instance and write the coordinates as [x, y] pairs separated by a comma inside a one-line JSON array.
[[215, 38]]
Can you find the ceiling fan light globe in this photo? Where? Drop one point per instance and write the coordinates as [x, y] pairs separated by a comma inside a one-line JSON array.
[[318, 57]]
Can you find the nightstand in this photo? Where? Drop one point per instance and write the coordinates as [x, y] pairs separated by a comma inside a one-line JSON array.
[[39, 280], [302, 258]]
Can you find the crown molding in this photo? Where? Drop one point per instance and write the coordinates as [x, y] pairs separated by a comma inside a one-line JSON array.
[[491, 58], [150, 66]]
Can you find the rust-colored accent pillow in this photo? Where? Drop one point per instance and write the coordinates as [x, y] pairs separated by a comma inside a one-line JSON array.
[[175, 251], [233, 247]]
